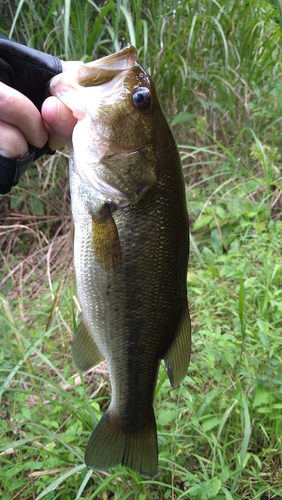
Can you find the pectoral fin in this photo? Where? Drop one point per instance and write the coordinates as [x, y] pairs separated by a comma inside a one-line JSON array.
[[177, 357], [105, 240], [85, 353]]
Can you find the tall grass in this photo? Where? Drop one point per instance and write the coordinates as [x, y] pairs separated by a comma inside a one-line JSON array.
[[217, 67]]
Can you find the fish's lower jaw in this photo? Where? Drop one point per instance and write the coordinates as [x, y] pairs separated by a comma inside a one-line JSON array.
[[111, 444]]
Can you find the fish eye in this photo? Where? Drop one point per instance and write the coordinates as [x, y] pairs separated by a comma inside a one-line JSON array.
[[141, 98]]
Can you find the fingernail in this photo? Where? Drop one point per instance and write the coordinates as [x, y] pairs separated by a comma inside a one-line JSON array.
[[64, 113]]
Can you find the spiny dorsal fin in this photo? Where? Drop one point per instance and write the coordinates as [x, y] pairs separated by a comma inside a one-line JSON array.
[[105, 239], [178, 355], [85, 353]]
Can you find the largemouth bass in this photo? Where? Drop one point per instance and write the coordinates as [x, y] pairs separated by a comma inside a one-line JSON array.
[[130, 250]]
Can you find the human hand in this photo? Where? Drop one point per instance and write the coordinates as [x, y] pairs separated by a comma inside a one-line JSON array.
[[59, 120], [25, 134], [21, 123], [30, 124]]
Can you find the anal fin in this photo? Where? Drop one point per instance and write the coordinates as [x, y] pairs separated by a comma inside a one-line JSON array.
[[177, 358], [85, 353]]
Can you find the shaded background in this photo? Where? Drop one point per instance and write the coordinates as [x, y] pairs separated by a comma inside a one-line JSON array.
[[217, 68]]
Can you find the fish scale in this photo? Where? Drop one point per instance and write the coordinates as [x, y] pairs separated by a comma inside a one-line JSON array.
[[131, 249]]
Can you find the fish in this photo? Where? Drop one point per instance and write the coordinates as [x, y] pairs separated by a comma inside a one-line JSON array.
[[131, 248]]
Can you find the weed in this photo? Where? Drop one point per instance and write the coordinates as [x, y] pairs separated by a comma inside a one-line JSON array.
[[217, 69]]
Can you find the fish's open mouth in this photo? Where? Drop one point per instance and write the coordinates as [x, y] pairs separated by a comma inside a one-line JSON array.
[[102, 75], [104, 70]]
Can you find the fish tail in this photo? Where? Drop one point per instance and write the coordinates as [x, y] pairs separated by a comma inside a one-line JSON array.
[[112, 444]]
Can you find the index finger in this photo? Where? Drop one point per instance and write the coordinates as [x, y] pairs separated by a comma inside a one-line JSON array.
[[16, 109]]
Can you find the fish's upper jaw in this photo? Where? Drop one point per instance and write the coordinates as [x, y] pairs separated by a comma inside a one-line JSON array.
[[119, 61], [69, 86], [104, 87], [95, 72]]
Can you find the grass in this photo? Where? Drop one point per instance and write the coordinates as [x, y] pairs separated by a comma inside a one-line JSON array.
[[218, 72]]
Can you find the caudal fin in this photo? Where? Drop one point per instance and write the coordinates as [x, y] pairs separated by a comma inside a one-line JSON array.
[[112, 444]]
